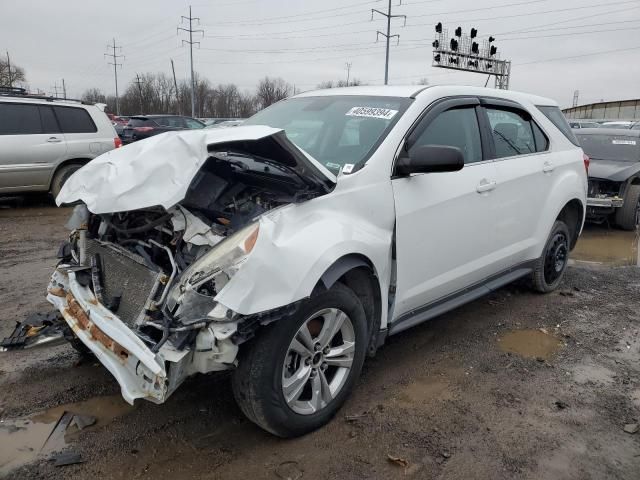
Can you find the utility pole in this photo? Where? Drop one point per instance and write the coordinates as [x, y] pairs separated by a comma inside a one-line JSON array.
[[139, 83], [348, 64], [115, 64], [9, 68], [191, 31], [175, 84], [576, 94], [64, 90], [54, 89], [387, 35]]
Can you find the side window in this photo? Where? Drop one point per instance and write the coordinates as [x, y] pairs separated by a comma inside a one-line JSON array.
[[75, 120], [558, 119], [515, 133], [19, 119], [457, 127], [193, 124], [48, 119]]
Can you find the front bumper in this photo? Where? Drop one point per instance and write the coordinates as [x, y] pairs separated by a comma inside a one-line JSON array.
[[605, 202], [140, 372]]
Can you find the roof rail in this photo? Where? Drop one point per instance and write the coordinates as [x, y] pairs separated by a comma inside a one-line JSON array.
[[22, 92]]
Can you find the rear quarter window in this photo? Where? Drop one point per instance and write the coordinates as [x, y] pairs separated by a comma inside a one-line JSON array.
[[19, 119], [75, 120], [559, 120]]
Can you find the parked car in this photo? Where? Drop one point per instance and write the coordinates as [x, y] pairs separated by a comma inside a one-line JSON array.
[[288, 261], [576, 124], [227, 123], [145, 126], [617, 124], [43, 140], [614, 175], [214, 121]]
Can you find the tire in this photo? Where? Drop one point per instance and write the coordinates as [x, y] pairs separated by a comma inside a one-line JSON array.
[[61, 176], [550, 267], [627, 217], [271, 362]]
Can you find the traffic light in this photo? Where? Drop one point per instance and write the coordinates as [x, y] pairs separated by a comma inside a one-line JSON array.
[[489, 66], [454, 44], [439, 27], [493, 50], [437, 57], [474, 33], [436, 44], [459, 32], [491, 39], [475, 48], [453, 60]]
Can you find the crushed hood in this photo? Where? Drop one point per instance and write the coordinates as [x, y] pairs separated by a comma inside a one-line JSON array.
[[159, 170]]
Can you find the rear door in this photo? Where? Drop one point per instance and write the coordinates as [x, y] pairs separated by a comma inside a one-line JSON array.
[[31, 144], [80, 132], [445, 221], [525, 172]]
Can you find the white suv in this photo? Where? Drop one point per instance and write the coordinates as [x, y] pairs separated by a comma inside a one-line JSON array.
[[291, 246], [44, 140]]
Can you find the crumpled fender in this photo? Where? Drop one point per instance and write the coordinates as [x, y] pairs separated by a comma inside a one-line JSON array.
[[298, 243]]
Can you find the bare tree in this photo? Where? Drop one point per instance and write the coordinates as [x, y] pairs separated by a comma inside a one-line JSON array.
[[94, 95], [15, 77], [271, 90]]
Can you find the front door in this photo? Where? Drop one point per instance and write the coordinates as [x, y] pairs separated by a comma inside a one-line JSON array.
[[445, 221]]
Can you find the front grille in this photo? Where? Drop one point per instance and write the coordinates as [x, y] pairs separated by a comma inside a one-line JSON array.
[[125, 275]]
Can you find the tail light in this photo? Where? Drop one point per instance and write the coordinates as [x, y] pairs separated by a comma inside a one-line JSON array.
[[117, 142], [587, 161], [143, 129]]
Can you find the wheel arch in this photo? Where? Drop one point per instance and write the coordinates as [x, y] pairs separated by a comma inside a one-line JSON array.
[[358, 273], [572, 214], [64, 163]]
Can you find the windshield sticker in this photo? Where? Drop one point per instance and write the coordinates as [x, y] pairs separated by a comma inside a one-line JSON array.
[[335, 166], [348, 168], [372, 112], [623, 142]]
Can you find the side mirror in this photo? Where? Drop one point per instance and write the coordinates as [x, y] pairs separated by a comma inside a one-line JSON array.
[[430, 158]]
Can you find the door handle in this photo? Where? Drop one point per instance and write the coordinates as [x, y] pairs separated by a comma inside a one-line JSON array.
[[485, 185], [54, 140], [548, 167]]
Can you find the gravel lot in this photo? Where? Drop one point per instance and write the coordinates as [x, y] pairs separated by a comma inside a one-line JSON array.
[[515, 385]]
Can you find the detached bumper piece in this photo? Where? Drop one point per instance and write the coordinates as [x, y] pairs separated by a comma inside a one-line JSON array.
[[140, 372], [37, 330]]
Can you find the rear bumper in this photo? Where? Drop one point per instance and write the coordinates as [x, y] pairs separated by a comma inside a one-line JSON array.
[[140, 372]]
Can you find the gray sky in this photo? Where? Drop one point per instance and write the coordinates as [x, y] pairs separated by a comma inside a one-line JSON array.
[[306, 42]]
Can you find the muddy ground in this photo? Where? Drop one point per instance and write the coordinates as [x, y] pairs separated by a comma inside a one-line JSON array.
[[515, 385]]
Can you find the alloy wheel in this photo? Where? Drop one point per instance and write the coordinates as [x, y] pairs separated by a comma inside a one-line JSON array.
[[318, 361]]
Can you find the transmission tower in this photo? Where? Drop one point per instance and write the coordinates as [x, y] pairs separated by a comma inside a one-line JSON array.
[[114, 56], [190, 42], [576, 94], [387, 35], [348, 65]]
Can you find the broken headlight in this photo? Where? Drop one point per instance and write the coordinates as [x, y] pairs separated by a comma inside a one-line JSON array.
[[222, 261]]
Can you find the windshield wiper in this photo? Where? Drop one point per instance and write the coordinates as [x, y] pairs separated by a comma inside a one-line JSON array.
[[509, 142]]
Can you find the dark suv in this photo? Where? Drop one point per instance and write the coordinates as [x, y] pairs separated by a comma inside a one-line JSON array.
[[145, 126]]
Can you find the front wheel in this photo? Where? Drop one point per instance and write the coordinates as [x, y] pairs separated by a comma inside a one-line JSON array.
[[297, 374], [628, 215], [550, 267]]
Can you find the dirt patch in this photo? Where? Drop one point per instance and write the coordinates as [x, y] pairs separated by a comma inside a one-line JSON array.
[[530, 343], [444, 396]]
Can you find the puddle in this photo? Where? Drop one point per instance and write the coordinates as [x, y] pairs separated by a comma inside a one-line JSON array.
[[607, 247], [22, 440], [530, 343]]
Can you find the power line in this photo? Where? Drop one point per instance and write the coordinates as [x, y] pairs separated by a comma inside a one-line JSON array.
[[115, 64], [190, 42]]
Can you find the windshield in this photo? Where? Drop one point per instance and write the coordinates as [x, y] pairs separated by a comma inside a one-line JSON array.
[[336, 130], [621, 148]]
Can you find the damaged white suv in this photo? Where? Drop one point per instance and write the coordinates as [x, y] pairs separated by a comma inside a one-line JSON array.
[[289, 248]]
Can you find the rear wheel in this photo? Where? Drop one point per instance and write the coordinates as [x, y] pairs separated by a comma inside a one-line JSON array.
[[298, 373], [550, 267], [628, 216], [61, 176]]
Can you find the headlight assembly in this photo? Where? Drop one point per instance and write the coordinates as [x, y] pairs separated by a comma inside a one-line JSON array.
[[225, 257]]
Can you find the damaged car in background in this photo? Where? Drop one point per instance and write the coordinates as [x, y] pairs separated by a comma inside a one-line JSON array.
[[290, 247], [614, 175]]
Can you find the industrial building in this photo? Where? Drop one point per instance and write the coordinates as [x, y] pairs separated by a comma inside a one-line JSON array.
[[619, 110]]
